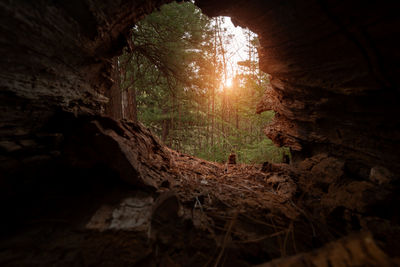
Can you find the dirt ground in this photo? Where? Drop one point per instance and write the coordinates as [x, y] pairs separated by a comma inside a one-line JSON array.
[[195, 212]]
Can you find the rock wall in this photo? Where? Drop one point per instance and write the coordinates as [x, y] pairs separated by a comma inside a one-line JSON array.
[[335, 84], [334, 73], [55, 59], [334, 89]]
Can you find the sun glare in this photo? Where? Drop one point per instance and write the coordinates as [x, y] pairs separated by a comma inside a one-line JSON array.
[[228, 82]]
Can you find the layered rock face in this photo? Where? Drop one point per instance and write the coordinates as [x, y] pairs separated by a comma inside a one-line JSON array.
[[334, 76], [55, 66], [334, 89]]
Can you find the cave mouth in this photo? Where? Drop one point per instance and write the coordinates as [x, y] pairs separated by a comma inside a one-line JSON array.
[[193, 81], [81, 188]]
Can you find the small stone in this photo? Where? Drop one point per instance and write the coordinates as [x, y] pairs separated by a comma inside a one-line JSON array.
[[380, 175], [232, 158], [9, 146], [28, 143]]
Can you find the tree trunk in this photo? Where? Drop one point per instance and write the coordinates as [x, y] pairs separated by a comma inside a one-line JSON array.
[[114, 107], [165, 130], [171, 130], [132, 105]]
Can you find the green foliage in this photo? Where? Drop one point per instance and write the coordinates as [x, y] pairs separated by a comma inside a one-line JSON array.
[[175, 66], [261, 151]]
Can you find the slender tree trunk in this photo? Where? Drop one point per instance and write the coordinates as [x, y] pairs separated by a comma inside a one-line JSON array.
[[131, 101], [237, 118], [114, 107], [165, 130], [208, 123], [213, 122], [221, 46], [131, 105], [223, 104], [171, 130], [224, 118], [199, 126], [214, 82], [179, 130]]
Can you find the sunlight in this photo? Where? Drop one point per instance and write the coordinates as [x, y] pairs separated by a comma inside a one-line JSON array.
[[193, 83], [228, 83]]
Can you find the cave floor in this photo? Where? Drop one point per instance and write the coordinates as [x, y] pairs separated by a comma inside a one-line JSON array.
[[199, 213], [210, 215], [255, 213]]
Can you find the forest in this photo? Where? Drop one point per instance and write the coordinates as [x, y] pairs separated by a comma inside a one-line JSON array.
[[122, 122], [177, 76]]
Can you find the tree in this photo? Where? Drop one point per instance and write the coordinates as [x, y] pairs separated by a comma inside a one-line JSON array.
[[171, 76]]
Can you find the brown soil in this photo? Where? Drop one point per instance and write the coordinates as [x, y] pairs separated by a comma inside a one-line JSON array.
[[123, 199]]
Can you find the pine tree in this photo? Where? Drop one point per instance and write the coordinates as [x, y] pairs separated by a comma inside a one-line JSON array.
[[171, 78]]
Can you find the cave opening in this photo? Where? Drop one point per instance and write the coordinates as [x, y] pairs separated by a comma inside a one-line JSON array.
[[81, 185], [193, 81]]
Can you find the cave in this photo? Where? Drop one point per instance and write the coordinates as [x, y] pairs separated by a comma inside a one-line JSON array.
[[79, 187]]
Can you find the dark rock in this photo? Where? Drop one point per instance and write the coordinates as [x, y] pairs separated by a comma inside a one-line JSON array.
[[344, 103], [381, 175], [334, 89], [9, 146], [232, 159], [286, 159], [266, 167], [349, 251], [165, 219]]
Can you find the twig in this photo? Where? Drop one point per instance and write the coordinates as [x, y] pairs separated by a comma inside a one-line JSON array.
[[260, 222], [198, 203], [279, 239], [232, 187], [263, 237], [286, 238], [305, 215], [228, 232], [294, 240]]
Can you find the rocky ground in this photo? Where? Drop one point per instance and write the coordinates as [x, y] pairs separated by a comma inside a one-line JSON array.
[[119, 197], [80, 189]]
